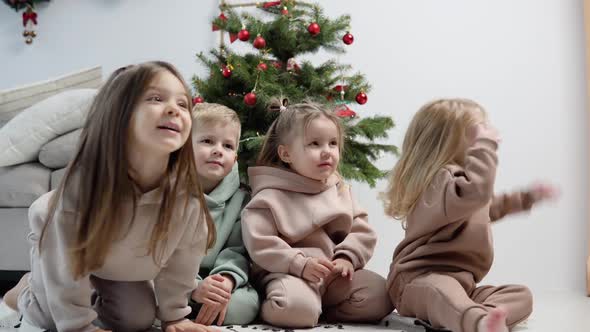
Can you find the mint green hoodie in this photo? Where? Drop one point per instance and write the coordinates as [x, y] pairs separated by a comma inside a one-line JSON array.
[[228, 256]]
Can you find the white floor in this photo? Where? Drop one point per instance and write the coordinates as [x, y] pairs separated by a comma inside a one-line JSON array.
[[553, 312]]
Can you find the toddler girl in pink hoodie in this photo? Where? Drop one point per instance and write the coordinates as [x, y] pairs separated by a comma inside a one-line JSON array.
[[308, 238]]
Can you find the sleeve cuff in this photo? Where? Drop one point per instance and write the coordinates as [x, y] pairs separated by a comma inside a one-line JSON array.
[[350, 256], [297, 264]]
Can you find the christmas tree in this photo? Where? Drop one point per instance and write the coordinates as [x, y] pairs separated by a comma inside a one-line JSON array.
[[246, 83]]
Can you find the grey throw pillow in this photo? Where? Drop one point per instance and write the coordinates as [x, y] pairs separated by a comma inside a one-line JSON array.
[[58, 152]]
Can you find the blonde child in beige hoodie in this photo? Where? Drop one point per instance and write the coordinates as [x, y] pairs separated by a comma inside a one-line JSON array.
[[128, 221], [308, 238], [442, 190]]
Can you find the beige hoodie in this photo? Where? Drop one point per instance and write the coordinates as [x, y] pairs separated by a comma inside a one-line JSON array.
[[449, 228], [69, 300], [292, 218]]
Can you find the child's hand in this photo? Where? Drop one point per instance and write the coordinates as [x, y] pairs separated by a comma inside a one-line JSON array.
[[343, 267], [316, 269], [208, 312], [186, 325], [543, 191], [212, 291], [483, 129]]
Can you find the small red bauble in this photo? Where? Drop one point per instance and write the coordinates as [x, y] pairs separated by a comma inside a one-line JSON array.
[[262, 66], [198, 100], [244, 35], [314, 29], [259, 42], [361, 98], [250, 99], [226, 72], [348, 38]]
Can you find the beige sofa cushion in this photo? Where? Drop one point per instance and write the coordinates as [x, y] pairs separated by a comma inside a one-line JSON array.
[[15, 100]]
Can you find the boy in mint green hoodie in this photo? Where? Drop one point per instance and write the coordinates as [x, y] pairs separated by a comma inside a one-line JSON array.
[[223, 293]]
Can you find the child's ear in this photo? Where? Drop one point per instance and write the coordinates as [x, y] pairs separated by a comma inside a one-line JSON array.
[[284, 154]]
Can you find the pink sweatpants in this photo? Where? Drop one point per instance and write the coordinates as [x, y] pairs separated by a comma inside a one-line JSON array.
[[453, 301], [293, 302]]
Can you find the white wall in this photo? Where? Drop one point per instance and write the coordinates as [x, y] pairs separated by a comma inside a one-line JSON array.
[[523, 60]]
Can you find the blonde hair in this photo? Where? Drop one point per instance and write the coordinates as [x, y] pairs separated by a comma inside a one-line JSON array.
[[293, 120], [207, 114], [435, 138]]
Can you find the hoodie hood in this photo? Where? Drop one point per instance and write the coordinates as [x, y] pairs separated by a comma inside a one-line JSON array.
[[225, 189], [264, 177]]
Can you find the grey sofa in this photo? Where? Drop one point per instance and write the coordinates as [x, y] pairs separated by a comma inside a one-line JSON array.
[[22, 184]]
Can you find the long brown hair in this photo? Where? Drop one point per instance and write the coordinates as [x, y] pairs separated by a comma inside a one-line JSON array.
[[103, 183], [292, 120], [434, 139]]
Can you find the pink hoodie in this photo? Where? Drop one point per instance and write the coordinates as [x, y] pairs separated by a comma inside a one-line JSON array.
[[292, 218]]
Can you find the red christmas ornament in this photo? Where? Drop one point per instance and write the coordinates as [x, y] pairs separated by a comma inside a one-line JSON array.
[[226, 72], [344, 111], [361, 98], [233, 37], [262, 66], [259, 42], [277, 64], [340, 88], [221, 17], [250, 99], [314, 29], [348, 38], [285, 11], [198, 100], [244, 35]]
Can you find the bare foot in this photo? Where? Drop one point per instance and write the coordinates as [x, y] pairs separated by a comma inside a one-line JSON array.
[[11, 297], [494, 321]]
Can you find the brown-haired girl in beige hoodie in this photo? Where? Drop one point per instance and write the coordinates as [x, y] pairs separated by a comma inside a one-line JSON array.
[[442, 190], [307, 236], [119, 242]]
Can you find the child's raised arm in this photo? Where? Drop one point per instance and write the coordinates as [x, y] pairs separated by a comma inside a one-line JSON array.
[[467, 192]]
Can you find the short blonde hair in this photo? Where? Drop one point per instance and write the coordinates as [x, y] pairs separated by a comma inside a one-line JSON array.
[[207, 114], [435, 138], [293, 121]]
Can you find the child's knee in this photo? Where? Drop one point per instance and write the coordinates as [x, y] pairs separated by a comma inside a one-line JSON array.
[[291, 310], [243, 307]]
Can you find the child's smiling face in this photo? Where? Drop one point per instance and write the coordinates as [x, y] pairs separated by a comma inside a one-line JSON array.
[[215, 147]]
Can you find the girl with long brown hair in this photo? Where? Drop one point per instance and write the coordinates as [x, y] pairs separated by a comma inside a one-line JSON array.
[[127, 220]]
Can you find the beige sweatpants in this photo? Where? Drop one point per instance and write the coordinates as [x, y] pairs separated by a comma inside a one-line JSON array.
[[293, 302], [453, 301]]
